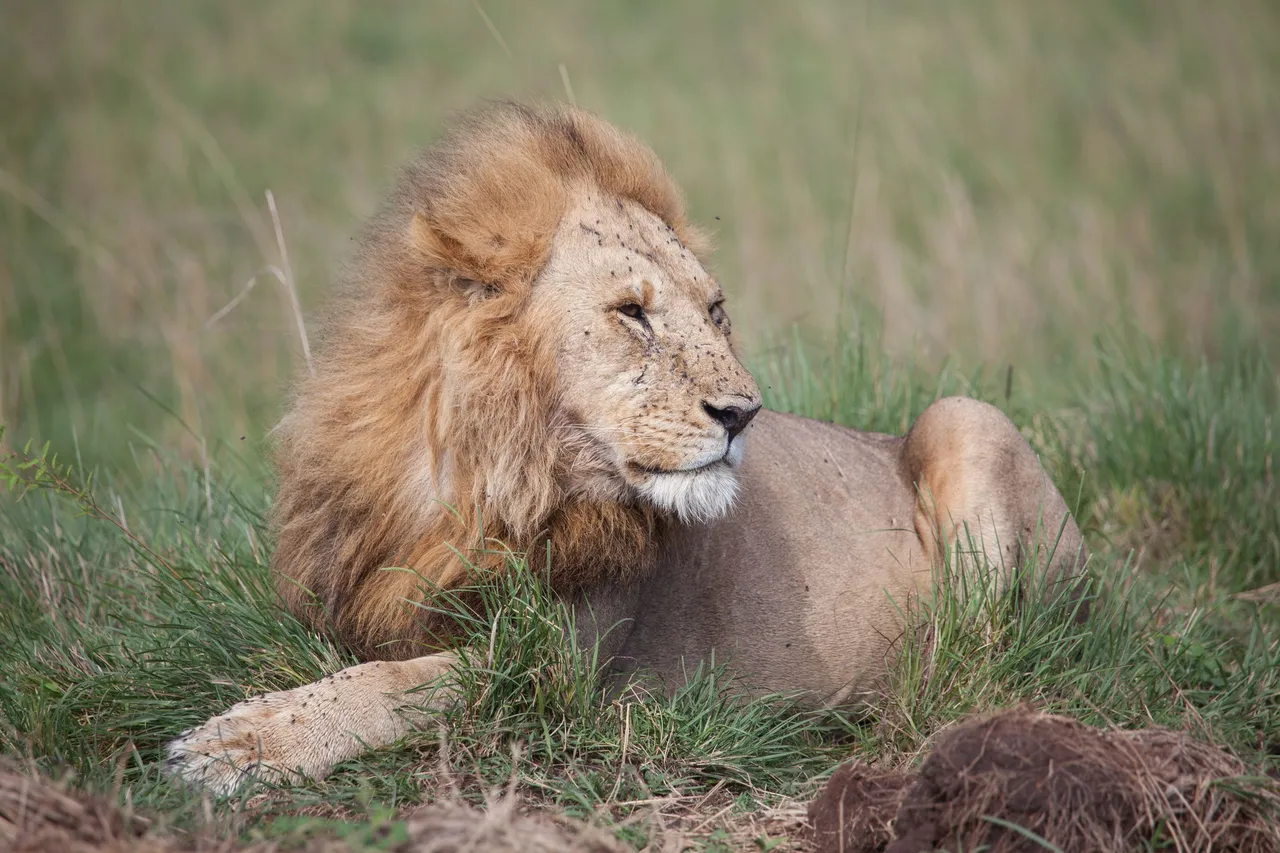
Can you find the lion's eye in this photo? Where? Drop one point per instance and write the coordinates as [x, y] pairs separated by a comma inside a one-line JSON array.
[[632, 310]]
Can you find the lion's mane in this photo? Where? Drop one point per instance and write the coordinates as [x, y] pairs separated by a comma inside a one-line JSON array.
[[430, 422]]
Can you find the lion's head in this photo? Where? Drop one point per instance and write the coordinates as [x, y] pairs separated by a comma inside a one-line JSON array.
[[529, 343]]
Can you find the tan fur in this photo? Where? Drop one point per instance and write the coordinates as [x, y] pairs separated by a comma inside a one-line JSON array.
[[532, 352]]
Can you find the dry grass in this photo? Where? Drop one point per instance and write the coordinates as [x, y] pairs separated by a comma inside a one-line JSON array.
[[1016, 781], [40, 816]]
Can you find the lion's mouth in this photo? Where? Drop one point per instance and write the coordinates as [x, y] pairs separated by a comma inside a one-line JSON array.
[[696, 492], [653, 471], [730, 458], [645, 469]]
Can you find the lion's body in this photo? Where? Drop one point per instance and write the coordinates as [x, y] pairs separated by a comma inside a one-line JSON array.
[[802, 585], [531, 340], [801, 610]]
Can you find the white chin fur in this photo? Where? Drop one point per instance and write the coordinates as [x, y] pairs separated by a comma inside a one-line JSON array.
[[695, 496]]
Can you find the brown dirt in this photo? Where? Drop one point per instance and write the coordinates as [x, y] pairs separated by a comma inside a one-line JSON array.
[[1076, 787], [39, 816], [854, 812]]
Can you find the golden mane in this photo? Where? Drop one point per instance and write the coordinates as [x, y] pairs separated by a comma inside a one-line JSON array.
[[424, 395]]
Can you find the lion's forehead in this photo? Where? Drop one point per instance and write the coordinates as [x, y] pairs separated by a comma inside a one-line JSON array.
[[620, 241]]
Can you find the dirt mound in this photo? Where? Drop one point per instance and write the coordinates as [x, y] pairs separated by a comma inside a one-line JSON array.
[[855, 810], [39, 816], [1020, 779]]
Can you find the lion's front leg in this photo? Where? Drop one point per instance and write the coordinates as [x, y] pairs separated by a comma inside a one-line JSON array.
[[308, 730]]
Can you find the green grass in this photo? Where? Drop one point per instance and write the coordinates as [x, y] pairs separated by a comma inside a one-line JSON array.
[[1066, 211], [111, 641]]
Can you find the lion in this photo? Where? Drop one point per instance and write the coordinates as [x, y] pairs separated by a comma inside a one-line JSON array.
[[530, 348]]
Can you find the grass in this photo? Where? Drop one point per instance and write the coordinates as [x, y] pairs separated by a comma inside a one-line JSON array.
[[118, 635], [1064, 211]]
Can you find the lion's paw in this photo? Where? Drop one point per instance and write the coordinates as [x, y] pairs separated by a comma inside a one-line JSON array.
[[304, 732], [249, 741]]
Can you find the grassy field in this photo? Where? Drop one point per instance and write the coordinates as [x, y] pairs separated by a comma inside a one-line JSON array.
[[1066, 210]]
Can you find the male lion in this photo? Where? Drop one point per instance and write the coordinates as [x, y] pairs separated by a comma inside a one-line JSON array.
[[531, 341]]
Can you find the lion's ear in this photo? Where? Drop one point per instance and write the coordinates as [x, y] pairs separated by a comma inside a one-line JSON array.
[[475, 291], [434, 248], [437, 249], [443, 253]]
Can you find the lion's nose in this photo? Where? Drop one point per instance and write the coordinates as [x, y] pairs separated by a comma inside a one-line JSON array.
[[734, 419]]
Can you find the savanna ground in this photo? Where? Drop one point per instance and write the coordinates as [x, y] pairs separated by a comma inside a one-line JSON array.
[[1066, 209]]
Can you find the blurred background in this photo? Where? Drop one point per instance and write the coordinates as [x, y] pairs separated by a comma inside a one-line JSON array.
[[994, 182]]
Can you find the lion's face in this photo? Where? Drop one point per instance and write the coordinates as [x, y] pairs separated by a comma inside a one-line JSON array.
[[654, 396]]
